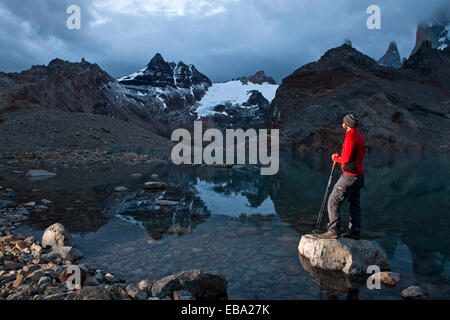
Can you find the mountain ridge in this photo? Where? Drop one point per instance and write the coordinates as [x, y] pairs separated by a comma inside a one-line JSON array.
[[395, 105]]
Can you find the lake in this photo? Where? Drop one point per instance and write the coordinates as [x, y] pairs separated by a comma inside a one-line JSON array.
[[246, 227]]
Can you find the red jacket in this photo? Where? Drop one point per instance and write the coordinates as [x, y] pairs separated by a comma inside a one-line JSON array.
[[352, 155]]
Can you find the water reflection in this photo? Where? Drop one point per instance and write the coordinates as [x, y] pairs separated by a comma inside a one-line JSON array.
[[237, 221]]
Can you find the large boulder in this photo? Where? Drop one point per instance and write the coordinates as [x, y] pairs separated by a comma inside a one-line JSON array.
[[57, 235], [352, 257], [199, 285]]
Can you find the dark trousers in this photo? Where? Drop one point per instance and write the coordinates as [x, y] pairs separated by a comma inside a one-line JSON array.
[[346, 188]]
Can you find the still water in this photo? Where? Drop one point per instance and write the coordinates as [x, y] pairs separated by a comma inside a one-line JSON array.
[[247, 227]]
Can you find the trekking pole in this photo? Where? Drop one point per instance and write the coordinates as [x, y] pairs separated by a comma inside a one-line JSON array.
[[322, 208]]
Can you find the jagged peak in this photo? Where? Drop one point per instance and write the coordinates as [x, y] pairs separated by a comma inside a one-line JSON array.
[[157, 59], [393, 46], [392, 57], [259, 77], [426, 59]]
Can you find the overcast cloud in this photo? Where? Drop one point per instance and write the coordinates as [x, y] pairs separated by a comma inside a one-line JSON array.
[[223, 38]]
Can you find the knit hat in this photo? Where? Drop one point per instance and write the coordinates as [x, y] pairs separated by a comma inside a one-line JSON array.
[[351, 120]]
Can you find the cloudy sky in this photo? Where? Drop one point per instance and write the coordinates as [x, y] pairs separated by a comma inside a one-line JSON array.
[[223, 38]]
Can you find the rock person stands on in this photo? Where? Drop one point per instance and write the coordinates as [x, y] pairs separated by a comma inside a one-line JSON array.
[[350, 183]]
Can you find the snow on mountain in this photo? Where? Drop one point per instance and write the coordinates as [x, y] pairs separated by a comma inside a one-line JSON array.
[[172, 86], [132, 76], [437, 33], [445, 38], [232, 92]]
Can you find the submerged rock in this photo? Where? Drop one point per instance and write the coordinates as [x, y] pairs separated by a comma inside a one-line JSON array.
[[67, 252], [166, 203], [386, 277], [413, 292], [199, 285], [39, 173], [155, 185], [352, 257], [57, 235]]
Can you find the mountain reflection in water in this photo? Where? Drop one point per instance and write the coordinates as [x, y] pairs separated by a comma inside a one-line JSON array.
[[247, 226]]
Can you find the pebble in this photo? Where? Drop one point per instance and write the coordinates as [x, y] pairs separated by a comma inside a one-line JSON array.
[[120, 189]]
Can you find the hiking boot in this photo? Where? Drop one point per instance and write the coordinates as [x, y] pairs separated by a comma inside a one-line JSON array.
[[329, 235], [351, 235]]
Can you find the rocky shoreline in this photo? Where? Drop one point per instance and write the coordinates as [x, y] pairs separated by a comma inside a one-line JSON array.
[[38, 270], [33, 270]]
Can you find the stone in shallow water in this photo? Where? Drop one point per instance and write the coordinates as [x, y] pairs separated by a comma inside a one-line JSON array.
[[386, 277], [155, 185], [30, 204], [166, 203], [39, 173], [57, 235], [120, 189], [413, 292], [66, 252], [199, 285], [352, 257]]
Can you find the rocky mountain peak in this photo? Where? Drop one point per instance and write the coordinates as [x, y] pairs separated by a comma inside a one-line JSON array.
[[437, 33], [258, 78], [391, 58], [426, 60], [160, 73], [156, 60], [346, 56]]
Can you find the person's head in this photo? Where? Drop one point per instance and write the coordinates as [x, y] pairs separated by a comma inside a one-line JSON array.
[[350, 121]]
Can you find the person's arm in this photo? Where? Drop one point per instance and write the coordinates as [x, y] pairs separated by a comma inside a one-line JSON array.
[[347, 149]]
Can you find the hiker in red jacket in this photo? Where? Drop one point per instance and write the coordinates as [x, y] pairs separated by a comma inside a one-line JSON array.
[[350, 183]]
